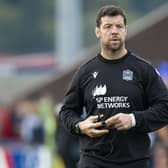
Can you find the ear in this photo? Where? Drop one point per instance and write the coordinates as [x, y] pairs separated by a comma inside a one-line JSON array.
[[97, 32]]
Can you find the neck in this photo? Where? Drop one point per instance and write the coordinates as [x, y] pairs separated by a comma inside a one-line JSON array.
[[113, 55]]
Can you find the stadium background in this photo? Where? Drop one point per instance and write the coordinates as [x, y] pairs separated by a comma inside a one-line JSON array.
[[35, 71]]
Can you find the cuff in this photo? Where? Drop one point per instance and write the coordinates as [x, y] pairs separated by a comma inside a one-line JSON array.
[[133, 119]]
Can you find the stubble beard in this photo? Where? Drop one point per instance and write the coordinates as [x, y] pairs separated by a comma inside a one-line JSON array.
[[114, 49]]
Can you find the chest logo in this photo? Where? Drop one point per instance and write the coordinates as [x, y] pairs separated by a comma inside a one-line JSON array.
[[95, 74], [127, 75], [99, 90]]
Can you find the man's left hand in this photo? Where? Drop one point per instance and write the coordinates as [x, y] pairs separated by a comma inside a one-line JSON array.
[[120, 121]]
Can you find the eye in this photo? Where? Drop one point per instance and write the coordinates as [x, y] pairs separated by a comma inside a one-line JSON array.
[[119, 26], [107, 26]]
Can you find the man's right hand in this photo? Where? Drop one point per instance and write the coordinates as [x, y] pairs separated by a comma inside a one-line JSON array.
[[91, 127]]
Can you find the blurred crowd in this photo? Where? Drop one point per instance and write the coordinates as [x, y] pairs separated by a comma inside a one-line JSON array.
[[34, 122]]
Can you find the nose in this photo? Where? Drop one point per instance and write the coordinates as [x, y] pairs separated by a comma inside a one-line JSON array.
[[114, 30]]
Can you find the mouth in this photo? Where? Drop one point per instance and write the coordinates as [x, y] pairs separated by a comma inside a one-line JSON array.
[[115, 39]]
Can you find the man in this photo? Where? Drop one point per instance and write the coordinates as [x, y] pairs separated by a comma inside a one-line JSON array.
[[124, 98]]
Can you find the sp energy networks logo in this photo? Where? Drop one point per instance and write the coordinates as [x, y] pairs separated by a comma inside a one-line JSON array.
[[103, 101], [99, 90]]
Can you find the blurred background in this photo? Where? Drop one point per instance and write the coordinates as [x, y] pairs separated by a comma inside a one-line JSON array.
[[41, 45]]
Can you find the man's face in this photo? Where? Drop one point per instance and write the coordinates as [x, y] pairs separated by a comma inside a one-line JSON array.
[[112, 32]]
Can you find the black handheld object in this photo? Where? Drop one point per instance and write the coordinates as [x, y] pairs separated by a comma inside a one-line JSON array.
[[104, 125]]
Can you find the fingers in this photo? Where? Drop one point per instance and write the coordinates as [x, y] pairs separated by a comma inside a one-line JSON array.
[[112, 120], [118, 126], [121, 127], [97, 133], [94, 127], [97, 125], [120, 121], [95, 118]]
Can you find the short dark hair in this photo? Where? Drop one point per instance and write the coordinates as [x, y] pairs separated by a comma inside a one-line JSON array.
[[110, 10]]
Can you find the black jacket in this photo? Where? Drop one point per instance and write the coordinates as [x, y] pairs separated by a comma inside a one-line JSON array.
[[128, 85]]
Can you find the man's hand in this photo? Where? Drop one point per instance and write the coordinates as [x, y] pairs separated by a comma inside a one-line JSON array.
[[120, 121], [91, 127]]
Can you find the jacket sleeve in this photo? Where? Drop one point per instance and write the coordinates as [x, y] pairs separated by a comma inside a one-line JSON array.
[[156, 94], [72, 107]]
